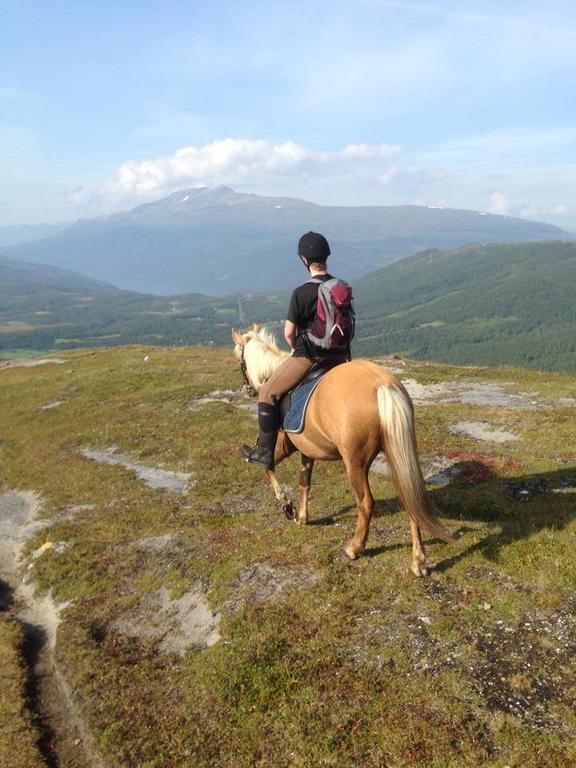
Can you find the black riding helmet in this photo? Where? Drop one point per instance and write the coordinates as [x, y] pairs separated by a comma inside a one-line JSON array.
[[313, 247]]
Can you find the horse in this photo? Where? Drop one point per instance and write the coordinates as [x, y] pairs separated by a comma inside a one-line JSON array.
[[357, 410]]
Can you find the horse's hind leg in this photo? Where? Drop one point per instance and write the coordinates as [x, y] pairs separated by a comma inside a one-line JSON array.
[[358, 476], [418, 564], [306, 466]]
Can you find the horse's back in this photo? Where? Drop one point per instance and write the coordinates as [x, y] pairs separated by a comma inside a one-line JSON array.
[[357, 377], [343, 410]]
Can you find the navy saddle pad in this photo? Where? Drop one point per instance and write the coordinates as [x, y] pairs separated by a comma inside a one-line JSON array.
[[294, 404]]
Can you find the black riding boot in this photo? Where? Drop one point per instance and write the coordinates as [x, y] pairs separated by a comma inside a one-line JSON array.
[[263, 452]]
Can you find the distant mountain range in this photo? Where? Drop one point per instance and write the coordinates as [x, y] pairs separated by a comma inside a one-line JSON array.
[[35, 282], [27, 233], [510, 304], [217, 242]]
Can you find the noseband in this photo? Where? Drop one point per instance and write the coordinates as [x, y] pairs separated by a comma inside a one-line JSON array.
[[247, 383]]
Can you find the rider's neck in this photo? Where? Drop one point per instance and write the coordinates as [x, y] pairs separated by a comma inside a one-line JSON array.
[[314, 272]]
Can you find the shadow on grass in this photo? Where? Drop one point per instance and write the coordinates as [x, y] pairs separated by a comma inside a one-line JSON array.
[[517, 507]]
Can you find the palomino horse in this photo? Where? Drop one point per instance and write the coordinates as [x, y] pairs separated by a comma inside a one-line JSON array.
[[357, 410]]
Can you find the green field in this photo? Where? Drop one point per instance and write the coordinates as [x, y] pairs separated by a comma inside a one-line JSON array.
[[319, 661]]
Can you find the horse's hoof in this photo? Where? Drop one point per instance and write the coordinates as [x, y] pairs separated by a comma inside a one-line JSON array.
[[419, 570], [288, 510], [350, 553]]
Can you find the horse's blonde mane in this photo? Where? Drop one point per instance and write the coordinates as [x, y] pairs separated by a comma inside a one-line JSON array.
[[262, 355]]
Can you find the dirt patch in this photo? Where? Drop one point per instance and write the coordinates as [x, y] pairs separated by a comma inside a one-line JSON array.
[[524, 667], [178, 482], [172, 626], [69, 514], [261, 583], [65, 737], [482, 431], [154, 545], [489, 393], [234, 506]]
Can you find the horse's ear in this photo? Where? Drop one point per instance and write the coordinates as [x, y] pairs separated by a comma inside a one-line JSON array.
[[255, 327], [236, 337]]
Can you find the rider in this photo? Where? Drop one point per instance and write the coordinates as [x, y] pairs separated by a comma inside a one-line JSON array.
[[313, 250]]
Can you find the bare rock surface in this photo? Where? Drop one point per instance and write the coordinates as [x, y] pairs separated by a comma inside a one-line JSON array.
[[440, 470], [176, 624], [52, 405], [488, 393], [31, 362], [238, 398], [482, 431], [228, 396], [437, 470], [179, 482], [380, 466]]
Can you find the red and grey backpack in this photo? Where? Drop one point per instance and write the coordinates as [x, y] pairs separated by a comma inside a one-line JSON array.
[[334, 324]]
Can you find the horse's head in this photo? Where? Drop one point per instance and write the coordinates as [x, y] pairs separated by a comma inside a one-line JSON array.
[[241, 339], [258, 359]]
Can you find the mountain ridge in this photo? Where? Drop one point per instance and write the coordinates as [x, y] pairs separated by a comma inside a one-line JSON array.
[[220, 242]]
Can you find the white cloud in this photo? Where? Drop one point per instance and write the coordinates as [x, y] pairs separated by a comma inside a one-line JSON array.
[[498, 204], [250, 164]]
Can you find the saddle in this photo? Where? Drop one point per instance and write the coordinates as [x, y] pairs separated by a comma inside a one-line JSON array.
[[294, 403]]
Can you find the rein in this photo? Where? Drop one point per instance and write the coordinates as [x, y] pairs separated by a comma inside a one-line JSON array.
[[247, 383]]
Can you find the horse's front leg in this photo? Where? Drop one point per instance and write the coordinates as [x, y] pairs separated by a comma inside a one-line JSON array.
[[284, 448], [306, 465], [418, 564], [285, 503]]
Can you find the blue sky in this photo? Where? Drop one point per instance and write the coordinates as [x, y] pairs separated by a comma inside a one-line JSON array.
[[104, 105]]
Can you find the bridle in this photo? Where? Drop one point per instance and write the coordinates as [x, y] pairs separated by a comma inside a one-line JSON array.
[[247, 383]]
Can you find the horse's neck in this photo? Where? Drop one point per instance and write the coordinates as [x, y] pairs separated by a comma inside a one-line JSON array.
[[262, 361]]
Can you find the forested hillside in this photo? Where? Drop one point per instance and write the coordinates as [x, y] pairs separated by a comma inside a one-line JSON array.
[[482, 304]]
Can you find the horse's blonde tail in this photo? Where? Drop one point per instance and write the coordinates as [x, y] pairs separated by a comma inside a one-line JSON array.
[[397, 423]]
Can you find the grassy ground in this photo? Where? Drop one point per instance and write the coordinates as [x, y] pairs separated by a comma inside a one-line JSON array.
[[18, 735], [321, 662]]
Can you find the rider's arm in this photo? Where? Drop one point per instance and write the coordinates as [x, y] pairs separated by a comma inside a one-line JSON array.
[[290, 333]]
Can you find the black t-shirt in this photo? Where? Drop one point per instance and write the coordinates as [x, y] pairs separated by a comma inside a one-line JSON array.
[[301, 312]]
